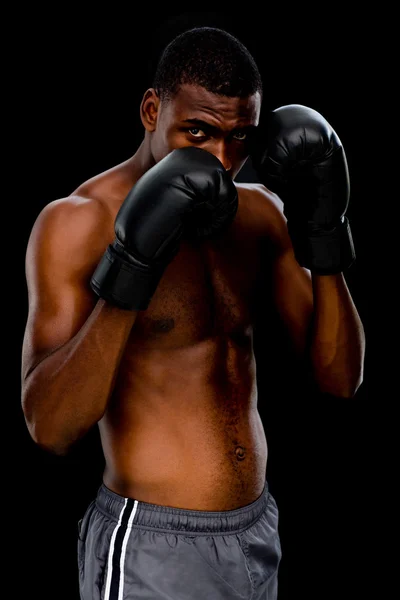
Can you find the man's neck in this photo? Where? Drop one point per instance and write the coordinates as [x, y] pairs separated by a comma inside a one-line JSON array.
[[141, 161]]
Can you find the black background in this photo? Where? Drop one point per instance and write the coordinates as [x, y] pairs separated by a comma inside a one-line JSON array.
[[78, 83]]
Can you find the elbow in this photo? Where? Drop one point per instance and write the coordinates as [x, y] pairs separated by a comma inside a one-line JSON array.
[[53, 447], [341, 389], [42, 434], [56, 450], [341, 378], [352, 392], [42, 437], [353, 384], [356, 387]]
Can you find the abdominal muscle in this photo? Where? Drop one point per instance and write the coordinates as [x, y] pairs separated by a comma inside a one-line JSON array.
[[183, 429]]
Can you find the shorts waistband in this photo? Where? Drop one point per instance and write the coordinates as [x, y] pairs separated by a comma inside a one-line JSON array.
[[153, 516]]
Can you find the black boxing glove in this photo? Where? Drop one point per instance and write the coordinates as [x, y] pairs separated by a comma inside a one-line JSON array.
[[188, 191], [299, 156]]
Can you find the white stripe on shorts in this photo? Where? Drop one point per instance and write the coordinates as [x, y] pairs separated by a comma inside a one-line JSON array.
[[111, 552], [123, 551]]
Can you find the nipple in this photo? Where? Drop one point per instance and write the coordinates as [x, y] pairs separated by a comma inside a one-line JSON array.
[[240, 453], [163, 325]]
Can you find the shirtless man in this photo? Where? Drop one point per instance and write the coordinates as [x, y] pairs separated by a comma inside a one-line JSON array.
[[143, 297]]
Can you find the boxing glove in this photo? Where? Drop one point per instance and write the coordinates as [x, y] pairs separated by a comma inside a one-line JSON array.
[[300, 157], [187, 193]]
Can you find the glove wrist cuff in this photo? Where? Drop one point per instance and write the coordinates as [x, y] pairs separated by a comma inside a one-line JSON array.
[[123, 281], [323, 251]]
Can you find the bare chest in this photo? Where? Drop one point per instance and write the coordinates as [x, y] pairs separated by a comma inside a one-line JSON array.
[[207, 290]]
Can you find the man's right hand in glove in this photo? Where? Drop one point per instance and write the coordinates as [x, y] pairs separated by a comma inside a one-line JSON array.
[[187, 193]]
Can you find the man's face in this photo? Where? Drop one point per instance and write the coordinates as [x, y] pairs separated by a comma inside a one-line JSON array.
[[218, 124]]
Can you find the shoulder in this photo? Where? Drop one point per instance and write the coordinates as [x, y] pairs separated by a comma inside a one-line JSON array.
[[259, 192], [109, 187], [265, 210], [88, 213], [69, 233], [71, 215]]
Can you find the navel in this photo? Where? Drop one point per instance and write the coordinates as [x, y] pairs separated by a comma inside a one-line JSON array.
[[240, 453]]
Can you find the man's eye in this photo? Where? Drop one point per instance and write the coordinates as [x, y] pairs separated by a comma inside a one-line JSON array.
[[240, 135], [196, 132]]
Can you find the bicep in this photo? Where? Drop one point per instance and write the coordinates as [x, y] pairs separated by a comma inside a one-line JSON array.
[[56, 311], [292, 296], [58, 268], [290, 285]]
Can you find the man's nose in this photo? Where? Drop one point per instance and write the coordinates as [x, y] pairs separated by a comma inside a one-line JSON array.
[[222, 153]]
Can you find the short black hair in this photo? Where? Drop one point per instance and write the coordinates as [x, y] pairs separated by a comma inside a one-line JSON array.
[[211, 58]]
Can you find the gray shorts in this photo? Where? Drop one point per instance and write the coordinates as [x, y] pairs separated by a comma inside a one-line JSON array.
[[129, 550]]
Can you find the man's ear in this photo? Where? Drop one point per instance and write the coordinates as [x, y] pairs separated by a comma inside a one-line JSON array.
[[149, 109]]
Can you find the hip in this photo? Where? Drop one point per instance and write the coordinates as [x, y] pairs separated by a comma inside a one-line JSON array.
[[139, 549]]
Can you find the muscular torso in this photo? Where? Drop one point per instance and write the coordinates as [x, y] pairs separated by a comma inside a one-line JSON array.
[[182, 427]]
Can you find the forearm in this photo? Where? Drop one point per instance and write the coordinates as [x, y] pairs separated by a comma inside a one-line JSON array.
[[337, 343], [67, 392]]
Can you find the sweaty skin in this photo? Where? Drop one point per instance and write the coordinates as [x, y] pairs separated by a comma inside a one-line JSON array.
[[178, 420]]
